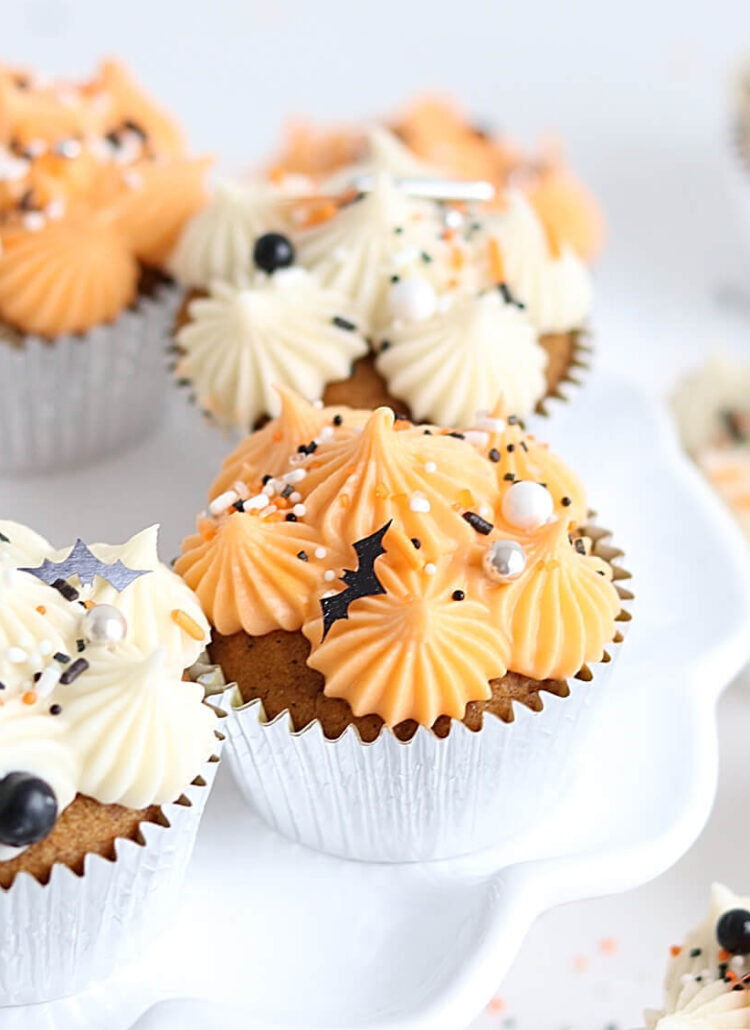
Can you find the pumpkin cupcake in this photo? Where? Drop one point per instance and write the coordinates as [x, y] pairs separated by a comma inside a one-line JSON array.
[[708, 978], [94, 188], [107, 754], [435, 308], [435, 703]]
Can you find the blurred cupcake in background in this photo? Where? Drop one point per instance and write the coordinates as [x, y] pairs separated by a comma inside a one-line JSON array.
[[437, 135], [95, 186], [107, 755], [712, 410], [707, 985], [376, 287], [420, 624]]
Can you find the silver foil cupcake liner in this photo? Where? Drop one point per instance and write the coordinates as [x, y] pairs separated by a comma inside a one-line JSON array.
[[58, 937], [82, 397]]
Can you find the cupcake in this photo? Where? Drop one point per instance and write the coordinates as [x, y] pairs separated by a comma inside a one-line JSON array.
[[435, 308], [437, 702], [708, 979], [436, 137], [711, 407], [107, 755], [94, 188]]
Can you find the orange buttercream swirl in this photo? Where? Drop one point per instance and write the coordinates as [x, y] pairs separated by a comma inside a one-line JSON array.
[[93, 183], [67, 277], [411, 653], [296, 497]]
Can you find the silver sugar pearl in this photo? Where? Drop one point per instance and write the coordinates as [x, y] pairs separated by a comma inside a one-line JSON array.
[[504, 560], [104, 624]]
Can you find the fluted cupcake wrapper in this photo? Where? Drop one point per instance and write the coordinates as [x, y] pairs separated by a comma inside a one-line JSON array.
[[82, 397], [56, 938]]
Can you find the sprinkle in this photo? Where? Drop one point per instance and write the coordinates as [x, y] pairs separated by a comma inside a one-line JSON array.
[[55, 709], [418, 502], [458, 595], [494, 254], [465, 498], [430, 466], [290, 517], [299, 510], [329, 575], [33, 221], [337, 420], [479, 437], [295, 476], [675, 950], [256, 503], [41, 609], [494, 454], [430, 568], [566, 502], [302, 555], [696, 953], [416, 543], [16, 655], [48, 680], [30, 697], [63, 587], [80, 645], [188, 624], [320, 552], [74, 671], [608, 946], [477, 522]]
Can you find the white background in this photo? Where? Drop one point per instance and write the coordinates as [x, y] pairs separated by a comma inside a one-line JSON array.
[[639, 93]]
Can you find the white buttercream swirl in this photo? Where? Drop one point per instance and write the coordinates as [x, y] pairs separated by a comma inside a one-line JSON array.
[[149, 601], [155, 729], [696, 997], [465, 359], [240, 343], [353, 251], [20, 545], [218, 242], [556, 289]]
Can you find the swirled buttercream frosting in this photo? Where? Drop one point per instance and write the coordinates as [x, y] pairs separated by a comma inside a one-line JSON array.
[[707, 985], [240, 343], [94, 184], [94, 642], [421, 564]]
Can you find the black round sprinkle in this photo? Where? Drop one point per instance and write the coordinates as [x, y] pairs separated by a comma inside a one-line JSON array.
[[416, 542], [458, 595], [337, 420], [566, 502], [28, 809], [291, 517], [494, 454], [55, 709], [733, 931], [273, 251], [510, 448]]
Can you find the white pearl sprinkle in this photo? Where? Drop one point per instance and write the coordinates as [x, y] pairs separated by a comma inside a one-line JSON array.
[[33, 221], [453, 219], [430, 568], [299, 510], [326, 433], [320, 552], [16, 655], [430, 466], [737, 962], [223, 501], [45, 648], [329, 575], [411, 300], [527, 505], [418, 502], [295, 497], [318, 404]]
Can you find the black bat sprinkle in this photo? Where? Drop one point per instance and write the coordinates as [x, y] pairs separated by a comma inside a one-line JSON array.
[[362, 583]]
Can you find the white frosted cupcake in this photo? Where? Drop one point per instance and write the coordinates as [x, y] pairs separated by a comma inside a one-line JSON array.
[[708, 979], [107, 755]]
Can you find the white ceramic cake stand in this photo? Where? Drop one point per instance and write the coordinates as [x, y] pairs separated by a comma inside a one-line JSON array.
[[274, 936]]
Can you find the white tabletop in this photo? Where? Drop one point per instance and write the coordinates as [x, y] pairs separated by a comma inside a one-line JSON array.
[[638, 91]]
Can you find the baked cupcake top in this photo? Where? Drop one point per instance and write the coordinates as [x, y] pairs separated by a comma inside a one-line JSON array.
[[461, 555], [94, 186], [445, 294], [93, 646], [708, 979]]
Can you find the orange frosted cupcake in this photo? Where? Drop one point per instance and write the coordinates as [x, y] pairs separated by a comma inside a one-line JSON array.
[[419, 623], [95, 186]]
